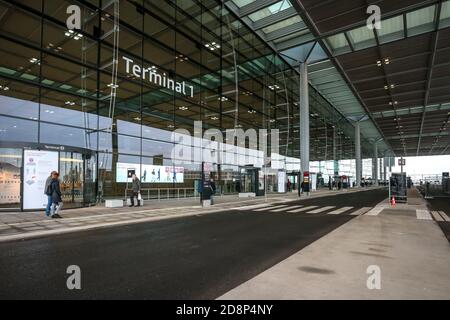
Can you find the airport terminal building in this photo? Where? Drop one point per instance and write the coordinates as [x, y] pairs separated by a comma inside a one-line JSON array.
[[98, 101]]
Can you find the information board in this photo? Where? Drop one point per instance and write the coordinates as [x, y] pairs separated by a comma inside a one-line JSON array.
[[37, 166]]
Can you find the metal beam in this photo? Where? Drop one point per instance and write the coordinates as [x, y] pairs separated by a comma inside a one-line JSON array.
[[429, 76]]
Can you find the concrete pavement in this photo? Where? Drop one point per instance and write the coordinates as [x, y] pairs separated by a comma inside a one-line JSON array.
[[411, 252]]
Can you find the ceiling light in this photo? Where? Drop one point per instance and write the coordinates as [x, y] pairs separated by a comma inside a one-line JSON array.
[[223, 99], [214, 118], [183, 108], [71, 34], [212, 46], [35, 61], [137, 119], [70, 103], [393, 103], [274, 87], [170, 126], [385, 61], [113, 86]]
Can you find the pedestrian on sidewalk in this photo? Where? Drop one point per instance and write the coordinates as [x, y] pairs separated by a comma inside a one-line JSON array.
[[289, 185], [57, 202], [48, 193], [213, 190], [135, 190], [200, 190]]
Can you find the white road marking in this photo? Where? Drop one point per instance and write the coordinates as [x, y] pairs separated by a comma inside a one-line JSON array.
[[437, 216], [375, 211], [321, 209], [423, 215], [340, 210], [446, 218], [302, 209], [257, 206], [270, 208], [360, 211], [285, 209]]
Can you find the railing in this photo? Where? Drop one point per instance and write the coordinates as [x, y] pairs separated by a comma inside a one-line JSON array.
[[166, 193]]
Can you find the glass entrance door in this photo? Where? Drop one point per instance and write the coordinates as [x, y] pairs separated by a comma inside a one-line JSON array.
[[71, 170], [248, 178], [10, 174]]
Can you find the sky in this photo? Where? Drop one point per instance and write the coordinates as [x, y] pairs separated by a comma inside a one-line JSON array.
[[430, 165]]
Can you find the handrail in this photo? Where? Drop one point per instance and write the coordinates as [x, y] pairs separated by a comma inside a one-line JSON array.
[[166, 193]]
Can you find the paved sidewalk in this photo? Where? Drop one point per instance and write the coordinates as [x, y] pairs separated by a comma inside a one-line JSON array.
[[404, 242], [15, 226]]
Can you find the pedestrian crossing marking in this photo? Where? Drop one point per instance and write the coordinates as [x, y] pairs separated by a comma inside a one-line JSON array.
[[256, 206], [375, 211], [423, 215], [284, 208], [340, 210], [302, 209], [270, 208], [360, 211], [321, 209], [444, 216], [437, 216]]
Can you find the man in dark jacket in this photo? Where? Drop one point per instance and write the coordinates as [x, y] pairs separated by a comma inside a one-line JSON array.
[[135, 190], [57, 203], [48, 193], [213, 190]]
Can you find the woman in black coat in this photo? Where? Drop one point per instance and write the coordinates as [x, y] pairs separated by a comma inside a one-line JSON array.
[[56, 196]]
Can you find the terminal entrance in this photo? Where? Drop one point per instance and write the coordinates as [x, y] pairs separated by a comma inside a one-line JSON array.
[[252, 181], [23, 173]]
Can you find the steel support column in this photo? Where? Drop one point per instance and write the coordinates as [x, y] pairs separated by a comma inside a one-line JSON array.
[[375, 164], [358, 154], [304, 117]]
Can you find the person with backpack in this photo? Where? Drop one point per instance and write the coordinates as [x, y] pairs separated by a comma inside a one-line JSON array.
[[57, 202]]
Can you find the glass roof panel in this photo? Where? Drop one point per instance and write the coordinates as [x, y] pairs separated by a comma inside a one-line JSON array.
[[242, 3], [338, 44], [270, 10], [445, 14], [282, 24], [362, 38], [293, 35], [421, 21], [391, 29]]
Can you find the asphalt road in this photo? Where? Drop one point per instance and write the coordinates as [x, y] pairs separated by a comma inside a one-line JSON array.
[[198, 257]]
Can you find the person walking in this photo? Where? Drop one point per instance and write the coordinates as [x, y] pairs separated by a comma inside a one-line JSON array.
[[136, 190], [289, 185], [48, 193], [57, 202], [213, 190], [200, 190]]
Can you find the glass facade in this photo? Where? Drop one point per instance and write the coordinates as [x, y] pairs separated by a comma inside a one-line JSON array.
[[111, 94]]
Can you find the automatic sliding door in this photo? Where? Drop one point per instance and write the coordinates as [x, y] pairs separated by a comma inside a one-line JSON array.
[[10, 173]]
